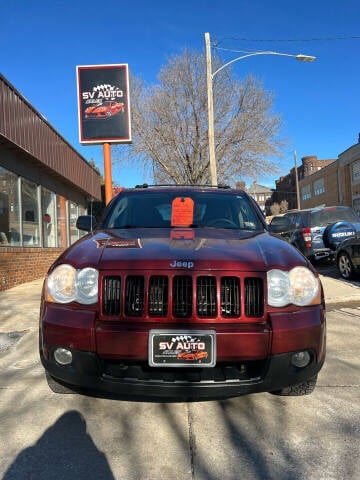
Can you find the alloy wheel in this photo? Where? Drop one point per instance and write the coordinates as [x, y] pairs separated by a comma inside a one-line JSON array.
[[345, 266]]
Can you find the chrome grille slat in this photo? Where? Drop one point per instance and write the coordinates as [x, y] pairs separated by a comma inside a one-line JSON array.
[[111, 296], [206, 296], [158, 296], [230, 297], [254, 301], [182, 296], [134, 296]]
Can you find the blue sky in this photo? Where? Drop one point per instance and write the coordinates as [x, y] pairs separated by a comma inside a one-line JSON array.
[[42, 41]]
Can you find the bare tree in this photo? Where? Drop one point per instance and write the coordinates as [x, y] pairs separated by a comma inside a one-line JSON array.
[[284, 205], [275, 209], [170, 129]]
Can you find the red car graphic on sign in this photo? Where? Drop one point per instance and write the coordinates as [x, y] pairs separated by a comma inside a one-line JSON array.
[[192, 356], [104, 110]]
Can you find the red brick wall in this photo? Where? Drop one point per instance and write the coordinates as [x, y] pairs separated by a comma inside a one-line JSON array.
[[20, 264]]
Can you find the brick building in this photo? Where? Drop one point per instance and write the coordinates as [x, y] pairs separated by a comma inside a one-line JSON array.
[[285, 187], [44, 185], [338, 183]]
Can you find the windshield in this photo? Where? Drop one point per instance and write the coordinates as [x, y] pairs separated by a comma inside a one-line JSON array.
[[332, 215], [154, 210]]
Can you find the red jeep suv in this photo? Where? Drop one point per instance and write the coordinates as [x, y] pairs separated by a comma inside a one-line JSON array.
[[182, 293]]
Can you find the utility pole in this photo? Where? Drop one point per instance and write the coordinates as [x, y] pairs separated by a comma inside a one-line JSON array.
[[211, 135], [297, 182], [107, 172]]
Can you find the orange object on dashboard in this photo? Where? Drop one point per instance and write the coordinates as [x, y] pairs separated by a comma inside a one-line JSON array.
[[182, 212]]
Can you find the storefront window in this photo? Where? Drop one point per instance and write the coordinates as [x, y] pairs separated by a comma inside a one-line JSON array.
[[30, 214], [82, 211], [48, 206], [73, 215], [9, 209]]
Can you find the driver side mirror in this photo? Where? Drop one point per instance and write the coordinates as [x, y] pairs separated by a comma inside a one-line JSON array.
[[86, 223]]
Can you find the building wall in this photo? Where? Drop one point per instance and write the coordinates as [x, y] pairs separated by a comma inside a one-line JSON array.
[[349, 161], [330, 195], [45, 184], [340, 179], [26, 130], [20, 265], [286, 185]]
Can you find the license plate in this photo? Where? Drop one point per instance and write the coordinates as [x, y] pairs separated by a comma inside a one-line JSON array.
[[182, 348]]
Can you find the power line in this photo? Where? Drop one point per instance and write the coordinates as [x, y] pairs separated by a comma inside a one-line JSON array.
[[315, 39], [236, 51]]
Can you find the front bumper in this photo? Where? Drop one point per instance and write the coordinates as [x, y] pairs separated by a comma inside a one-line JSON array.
[[112, 359], [88, 372]]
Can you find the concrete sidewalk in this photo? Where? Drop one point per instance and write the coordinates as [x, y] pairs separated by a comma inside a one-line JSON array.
[[340, 291], [21, 300]]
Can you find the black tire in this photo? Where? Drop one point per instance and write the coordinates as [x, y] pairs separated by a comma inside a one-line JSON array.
[[345, 266], [303, 388], [56, 386]]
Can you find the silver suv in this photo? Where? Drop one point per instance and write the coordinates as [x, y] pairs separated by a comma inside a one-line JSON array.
[[317, 232]]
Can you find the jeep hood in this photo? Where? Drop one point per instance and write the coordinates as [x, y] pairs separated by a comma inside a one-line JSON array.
[[200, 249]]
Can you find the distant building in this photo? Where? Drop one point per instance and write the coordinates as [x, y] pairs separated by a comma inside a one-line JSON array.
[[285, 187], [338, 183], [260, 193]]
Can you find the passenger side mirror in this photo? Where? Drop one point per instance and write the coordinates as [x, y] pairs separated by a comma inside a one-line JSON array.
[[280, 224]]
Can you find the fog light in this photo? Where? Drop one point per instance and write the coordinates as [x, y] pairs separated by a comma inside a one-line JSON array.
[[63, 356], [301, 359]]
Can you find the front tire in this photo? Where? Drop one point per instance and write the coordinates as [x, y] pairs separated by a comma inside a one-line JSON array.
[[345, 266], [303, 388]]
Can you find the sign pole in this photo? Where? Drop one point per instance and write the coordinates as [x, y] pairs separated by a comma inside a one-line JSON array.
[[107, 172]]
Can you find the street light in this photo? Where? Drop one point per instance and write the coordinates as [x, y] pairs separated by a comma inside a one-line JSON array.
[[209, 81]]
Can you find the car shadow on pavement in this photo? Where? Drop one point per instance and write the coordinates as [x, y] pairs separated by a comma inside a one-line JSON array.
[[65, 450]]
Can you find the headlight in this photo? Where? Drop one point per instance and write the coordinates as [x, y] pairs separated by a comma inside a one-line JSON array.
[[61, 284], [65, 285], [304, 286], [298, 286], [87, 285]]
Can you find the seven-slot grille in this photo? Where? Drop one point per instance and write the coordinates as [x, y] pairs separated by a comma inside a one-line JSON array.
[[159, 295]]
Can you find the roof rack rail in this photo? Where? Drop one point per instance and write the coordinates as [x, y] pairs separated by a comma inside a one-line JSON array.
[[146, 185]]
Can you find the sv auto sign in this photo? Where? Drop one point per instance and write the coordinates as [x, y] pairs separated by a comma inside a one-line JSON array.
[[103, 104]]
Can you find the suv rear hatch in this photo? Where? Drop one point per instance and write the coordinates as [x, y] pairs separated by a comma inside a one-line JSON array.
[[321, 220]]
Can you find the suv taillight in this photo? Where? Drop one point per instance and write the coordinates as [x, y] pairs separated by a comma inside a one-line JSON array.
[[306, 233]]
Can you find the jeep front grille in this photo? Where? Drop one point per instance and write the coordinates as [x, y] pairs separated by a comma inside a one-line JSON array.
[[183, 296]]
